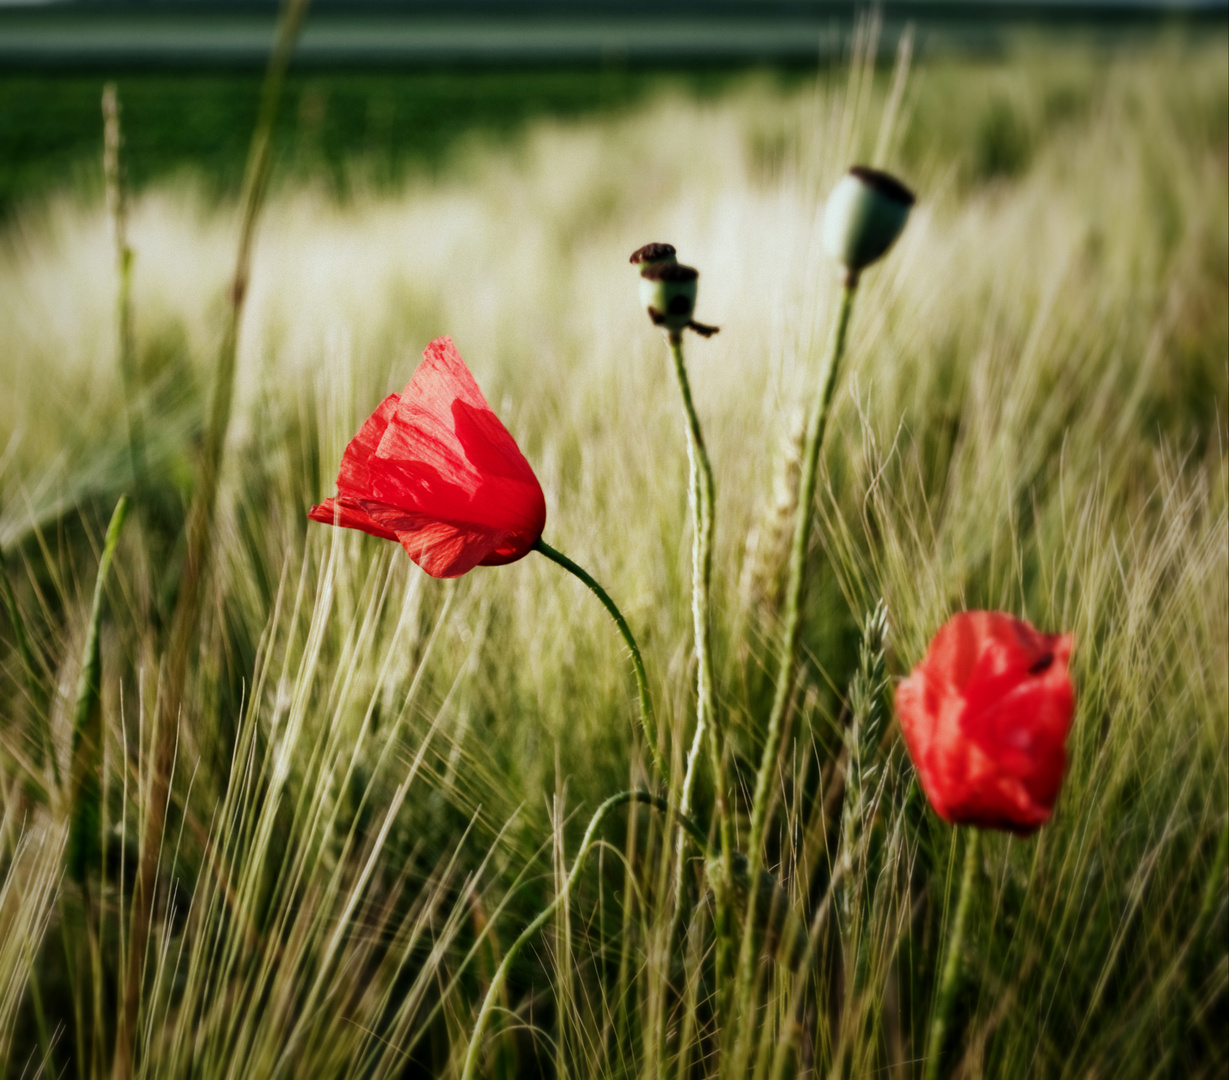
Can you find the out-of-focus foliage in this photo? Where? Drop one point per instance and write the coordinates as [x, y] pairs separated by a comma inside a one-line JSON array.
[[1032, 418]]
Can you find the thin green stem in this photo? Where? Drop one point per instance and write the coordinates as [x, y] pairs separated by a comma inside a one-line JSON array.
[[474, 1051], [702, 502], [199, 531], [642, 681], [951, 962], [86, 763], [701, 498], [117, 210], [787, 655]]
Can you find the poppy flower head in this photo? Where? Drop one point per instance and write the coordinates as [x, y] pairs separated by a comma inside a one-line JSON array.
[[985, 716], [434, 469]]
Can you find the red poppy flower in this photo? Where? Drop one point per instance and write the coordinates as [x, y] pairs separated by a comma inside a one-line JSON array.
[[434, 469], [985, 716]]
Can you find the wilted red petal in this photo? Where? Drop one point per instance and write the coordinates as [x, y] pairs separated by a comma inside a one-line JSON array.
[[435, 469], [985, 717]]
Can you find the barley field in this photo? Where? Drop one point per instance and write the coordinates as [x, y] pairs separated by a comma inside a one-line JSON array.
[[379, 778]]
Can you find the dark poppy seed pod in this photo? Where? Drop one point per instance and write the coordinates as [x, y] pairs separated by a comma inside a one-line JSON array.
[[653, 254], [668, 291], [866, 212]]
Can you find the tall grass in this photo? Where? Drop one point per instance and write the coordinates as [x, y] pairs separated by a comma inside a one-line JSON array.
[[380, 779]]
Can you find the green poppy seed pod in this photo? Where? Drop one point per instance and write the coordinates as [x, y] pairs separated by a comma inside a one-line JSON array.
[[866, 212], [668, 291], [652, 254]]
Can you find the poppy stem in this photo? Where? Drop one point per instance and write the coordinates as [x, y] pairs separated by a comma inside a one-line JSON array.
[[951, 962], [474, 1051], [642, 682], [702, 501], [788, 651]]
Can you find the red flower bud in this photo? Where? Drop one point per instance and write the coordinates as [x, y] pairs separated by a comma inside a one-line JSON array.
[[985, 717], [434, 469]]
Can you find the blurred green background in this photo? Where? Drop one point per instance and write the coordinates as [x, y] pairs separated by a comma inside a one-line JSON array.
[[334, 125], [384, 88]]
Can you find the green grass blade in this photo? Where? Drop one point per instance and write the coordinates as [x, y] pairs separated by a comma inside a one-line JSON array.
[[34, 683], [85, 783]]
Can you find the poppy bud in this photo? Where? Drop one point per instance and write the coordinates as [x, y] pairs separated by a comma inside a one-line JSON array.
[[866, 212], [668, 291], [651, 254]]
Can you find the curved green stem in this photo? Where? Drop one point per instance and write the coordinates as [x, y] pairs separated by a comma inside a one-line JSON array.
[[951, 963], [788, 651], [642, 681], [474, 1052]]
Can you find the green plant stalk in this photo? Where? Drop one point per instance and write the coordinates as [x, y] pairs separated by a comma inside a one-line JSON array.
[[117, 210], [702, 502], [642, 681], [788, 651], [951, 962], [474, 1051], [85, 783], [622, 1010], [199, 531]]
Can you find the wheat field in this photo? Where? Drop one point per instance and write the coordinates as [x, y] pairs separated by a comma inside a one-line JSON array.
[[380, 778]]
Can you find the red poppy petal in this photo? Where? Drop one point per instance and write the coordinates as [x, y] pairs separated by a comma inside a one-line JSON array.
[[435, 469], [991, 798], [443, 549], [444, 452], [334, 512], [1024, 731], [915, 712], [985, 717], [955, 650], [517, 546], [354, 477]]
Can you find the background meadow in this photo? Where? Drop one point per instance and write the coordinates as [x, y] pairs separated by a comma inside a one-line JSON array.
[[380, 777]]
